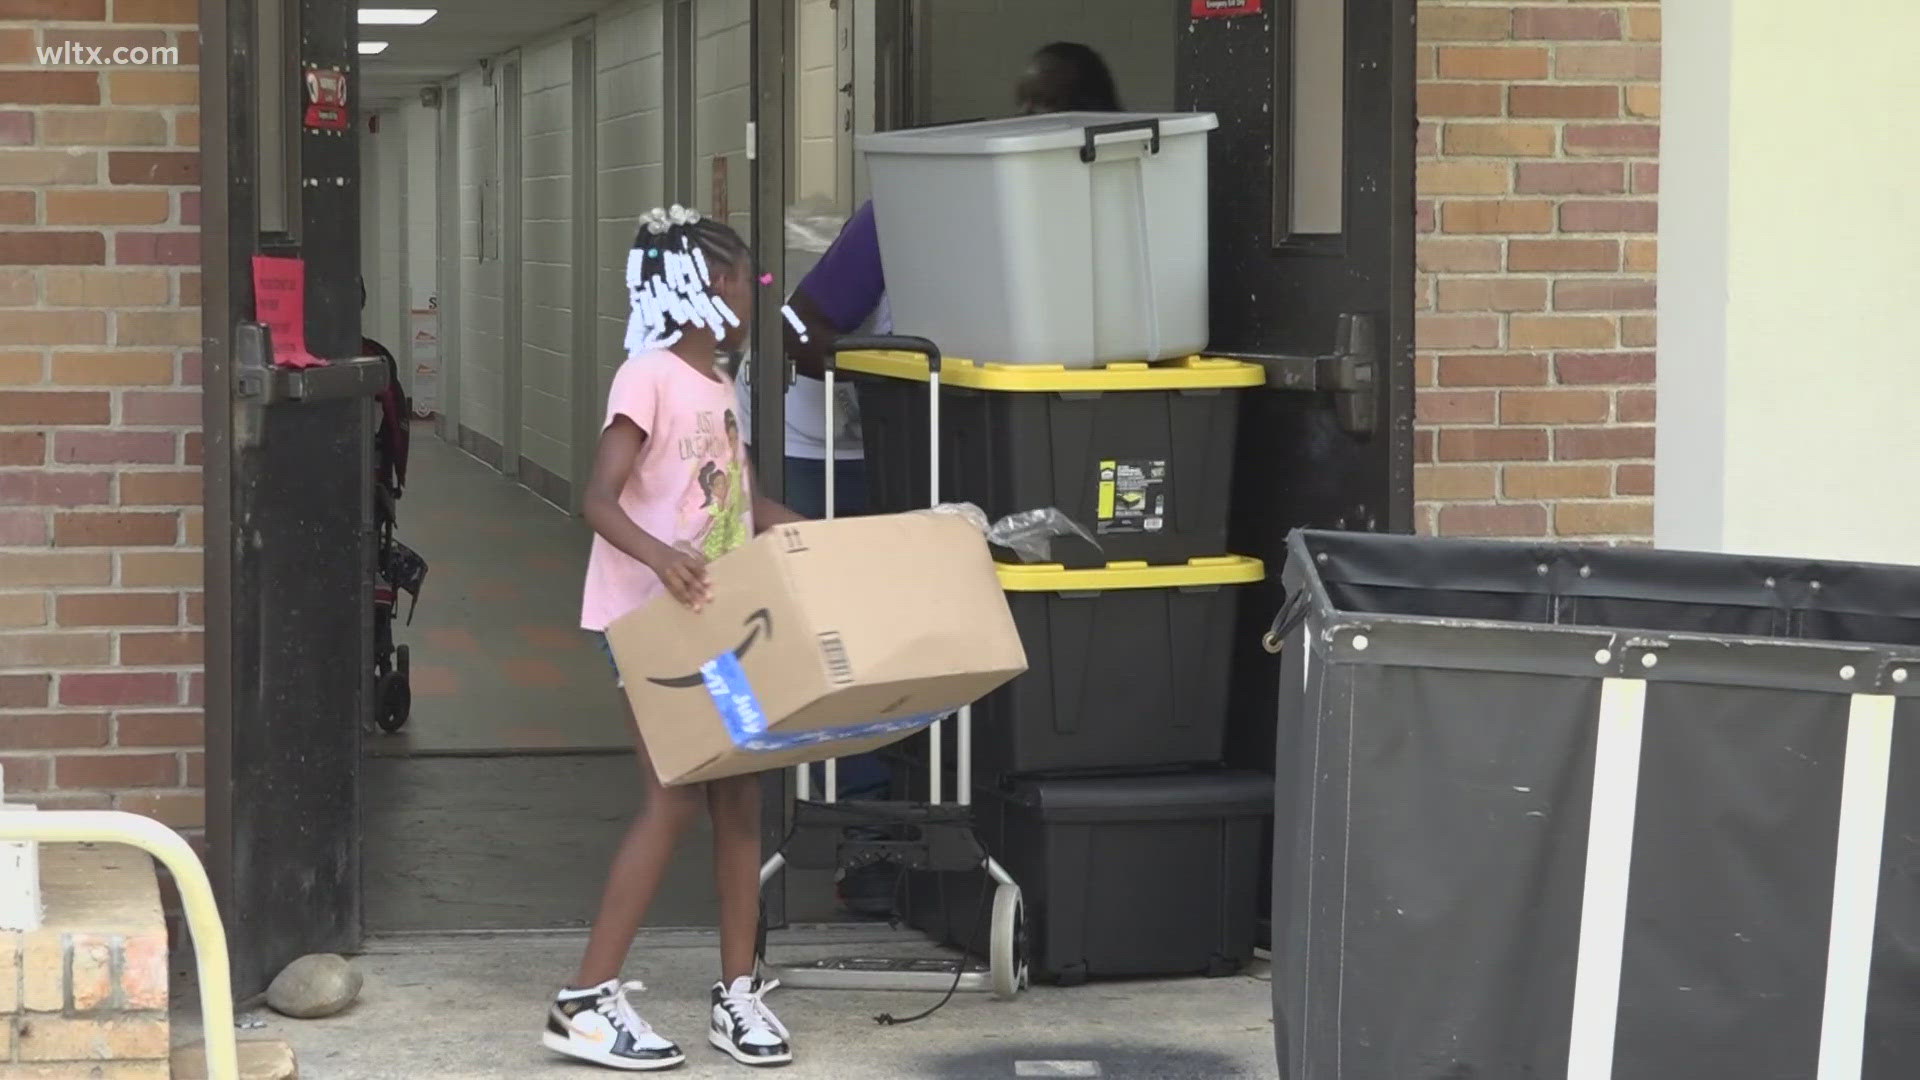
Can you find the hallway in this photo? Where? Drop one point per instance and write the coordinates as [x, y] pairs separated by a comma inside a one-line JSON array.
[[500, 664]]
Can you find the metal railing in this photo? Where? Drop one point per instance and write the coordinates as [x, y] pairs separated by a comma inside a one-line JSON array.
[[196, 899]]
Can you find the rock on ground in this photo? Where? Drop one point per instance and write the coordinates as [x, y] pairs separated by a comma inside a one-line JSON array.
[[314, 986]]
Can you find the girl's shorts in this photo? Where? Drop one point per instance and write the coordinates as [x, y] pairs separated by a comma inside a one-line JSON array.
[[608, 649]]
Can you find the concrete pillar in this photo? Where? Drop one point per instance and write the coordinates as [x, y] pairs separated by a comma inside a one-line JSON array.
[[1789, 383]]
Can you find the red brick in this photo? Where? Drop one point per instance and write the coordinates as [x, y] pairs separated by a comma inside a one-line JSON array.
[[16, 128], [1574, 178], [54, 650], [1426, 140], [1599, 444], [176, 810], [1464, 178], [107, 206], [1604, 295], [189, 208], [112, 771], [42, 86], [196, 609], [23, 691], [1564, 102], [23, 528], [54, 328], [162, 649], [1612, 518], [57, 10], [164, 12], [54, 407], [1639, 331], [1633, 480], [114, 447], [22, 610], [1567, 24], [52, 731], [47, 248], [1635, 407], [160, 728], [1497, 63], [119, 688], [118, 367], [38, 487], [1454, 483], [1613, 139], [1493, 369], [1423, 445], [1609, 367], [1493, 444], [1449, 22], [1497, 216], [1546, 407], [1456, 331], [1443, 100], [1643, 100], [160, 488], [157, 249], [197, 689], [1457, 256], [1625, 62], [1563, 332], [1498, 140], [1643, 23], [1424, 219], [1646, 178], [1492, 294], [26, 774], [1537, 255], [194, 764], [143, 970], [117, 609], [176, 168], [108, 529], [1454, 407], [161, 408], [1617, 215], [1556, 481], [1493, 520], [19, 208]]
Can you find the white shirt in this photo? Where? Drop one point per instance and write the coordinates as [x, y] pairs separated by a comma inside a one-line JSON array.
[[806, 406]]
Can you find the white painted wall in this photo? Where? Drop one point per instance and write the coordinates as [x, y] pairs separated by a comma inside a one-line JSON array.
[[1788, 367], [817, 138], [482, 324], [976, 50], [420, 232], [382, 211], [630, 55], [546, 266]]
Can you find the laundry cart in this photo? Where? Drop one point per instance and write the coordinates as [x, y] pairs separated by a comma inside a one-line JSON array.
[[1553, 810]]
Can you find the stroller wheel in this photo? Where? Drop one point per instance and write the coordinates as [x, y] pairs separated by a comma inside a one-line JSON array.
[[396, 700]]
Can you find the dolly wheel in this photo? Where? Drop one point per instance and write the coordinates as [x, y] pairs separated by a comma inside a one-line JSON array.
[[395, 702], [1007, 955]]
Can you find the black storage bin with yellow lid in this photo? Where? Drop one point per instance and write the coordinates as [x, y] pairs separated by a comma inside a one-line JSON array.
[[1139, 454], [1120, 876], [1127, 669]]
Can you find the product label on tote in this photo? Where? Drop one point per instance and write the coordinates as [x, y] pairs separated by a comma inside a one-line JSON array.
[[746, 721], [1133, 497]]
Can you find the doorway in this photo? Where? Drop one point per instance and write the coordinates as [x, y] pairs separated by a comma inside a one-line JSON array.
[[495, 806]]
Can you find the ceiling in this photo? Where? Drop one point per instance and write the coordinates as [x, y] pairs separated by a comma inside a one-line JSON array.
[[459, 36]]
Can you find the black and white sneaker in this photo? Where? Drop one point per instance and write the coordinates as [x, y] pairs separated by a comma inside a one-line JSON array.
[[744, 1028], [599, 1025]]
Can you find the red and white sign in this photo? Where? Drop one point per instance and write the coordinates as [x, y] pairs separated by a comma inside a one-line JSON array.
[[326, 99], [1222, 9], [280, 301]]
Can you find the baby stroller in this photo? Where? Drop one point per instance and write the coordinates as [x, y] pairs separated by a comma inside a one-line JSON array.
[[397, 568]]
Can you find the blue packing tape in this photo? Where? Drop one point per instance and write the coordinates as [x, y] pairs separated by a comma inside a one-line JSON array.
[[746, 721]]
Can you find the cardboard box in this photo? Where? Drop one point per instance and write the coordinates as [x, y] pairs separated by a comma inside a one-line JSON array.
[[823, 639]]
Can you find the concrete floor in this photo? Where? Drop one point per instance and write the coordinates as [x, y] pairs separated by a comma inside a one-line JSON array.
[[471, 1007]]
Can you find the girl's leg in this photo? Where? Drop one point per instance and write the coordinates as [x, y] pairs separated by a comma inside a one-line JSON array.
[[734, 805], [637, 869]]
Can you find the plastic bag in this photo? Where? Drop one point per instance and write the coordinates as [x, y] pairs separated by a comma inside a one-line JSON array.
[[1029, 534], [813, 226]]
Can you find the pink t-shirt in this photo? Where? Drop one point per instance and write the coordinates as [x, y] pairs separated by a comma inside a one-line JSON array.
[[690, 486]]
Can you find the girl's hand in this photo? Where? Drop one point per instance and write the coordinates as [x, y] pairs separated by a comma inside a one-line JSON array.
[[684, 573]]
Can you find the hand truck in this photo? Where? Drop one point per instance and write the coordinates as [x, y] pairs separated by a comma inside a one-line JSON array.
[[939, 835]]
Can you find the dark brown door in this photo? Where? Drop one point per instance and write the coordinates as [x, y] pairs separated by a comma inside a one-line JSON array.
[[288, 488]]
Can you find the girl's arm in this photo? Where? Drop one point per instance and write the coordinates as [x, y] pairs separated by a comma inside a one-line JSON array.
[[684, 575]]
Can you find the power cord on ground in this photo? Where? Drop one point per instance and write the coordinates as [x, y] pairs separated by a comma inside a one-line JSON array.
[[960, 965]]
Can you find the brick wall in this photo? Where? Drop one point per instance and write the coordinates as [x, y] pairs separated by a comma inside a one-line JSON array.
[[1538, 173], [100, 526]]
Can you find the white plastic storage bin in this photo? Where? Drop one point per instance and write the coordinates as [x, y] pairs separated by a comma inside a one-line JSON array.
[[1077, 239]]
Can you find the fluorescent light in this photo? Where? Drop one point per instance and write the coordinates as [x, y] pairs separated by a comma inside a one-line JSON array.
[[396, 16], [373, 48]]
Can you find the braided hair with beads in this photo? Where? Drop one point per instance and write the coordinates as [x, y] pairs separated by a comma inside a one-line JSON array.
[[677, 255]]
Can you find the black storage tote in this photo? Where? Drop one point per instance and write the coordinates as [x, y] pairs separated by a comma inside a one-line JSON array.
[[1121, 876], [1140, 455], [1127, 669], [1602, 814]]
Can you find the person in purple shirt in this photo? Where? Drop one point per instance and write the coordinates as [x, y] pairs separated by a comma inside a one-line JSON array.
[[846, 292]]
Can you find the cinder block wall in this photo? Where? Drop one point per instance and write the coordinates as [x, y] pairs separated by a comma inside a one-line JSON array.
[[1538, 174], [100, 521]]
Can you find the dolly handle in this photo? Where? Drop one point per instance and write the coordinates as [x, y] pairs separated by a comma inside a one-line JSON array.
[[884, 343], [1291, 614]]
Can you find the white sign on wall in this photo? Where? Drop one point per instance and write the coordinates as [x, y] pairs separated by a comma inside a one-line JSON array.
[[423, 352]]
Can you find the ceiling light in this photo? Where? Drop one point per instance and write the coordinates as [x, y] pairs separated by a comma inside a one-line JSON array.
[[372, 48], [396, 16]]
